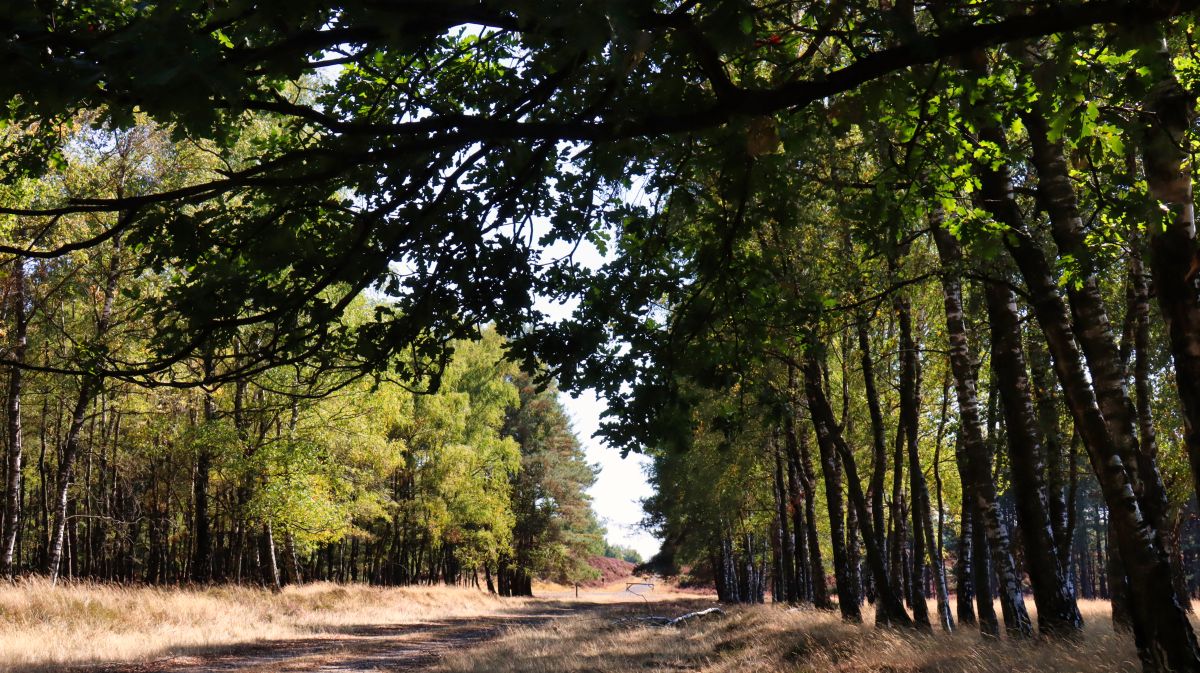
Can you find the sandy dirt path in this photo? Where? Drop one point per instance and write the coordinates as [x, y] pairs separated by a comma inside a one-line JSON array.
[[366, 649], [388, 648]]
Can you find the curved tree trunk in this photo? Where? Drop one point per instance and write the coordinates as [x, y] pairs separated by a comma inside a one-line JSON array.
[[1174, 254], [878, 438], [1165, 638], [831, 469], [1164, 635], [910, 403], [976, 465], [1057, 612], [89, 386], [1056, 195], [889, 609], [66, 467]]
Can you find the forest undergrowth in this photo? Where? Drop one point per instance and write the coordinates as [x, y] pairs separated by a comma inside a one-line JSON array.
[[49, 628], [774, 638]]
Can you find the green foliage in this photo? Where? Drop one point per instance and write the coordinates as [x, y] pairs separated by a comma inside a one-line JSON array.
[[624, 553], [557, 530]]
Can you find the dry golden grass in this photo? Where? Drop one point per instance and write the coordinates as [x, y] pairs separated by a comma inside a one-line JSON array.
[[45, 627], [49, 628], [767, 638]]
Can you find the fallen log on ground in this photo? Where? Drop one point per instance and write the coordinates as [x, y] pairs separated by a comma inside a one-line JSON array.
[[673, 621]]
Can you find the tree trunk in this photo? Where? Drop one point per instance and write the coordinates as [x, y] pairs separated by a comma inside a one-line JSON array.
[[12, 512], [89, 385], [1155, 497], [831, 470], [1056, 195], [910, 421], [889, 609], [1164, 635], [291, 560], [65, 471], [976, 466], [878, 438], [1046, 403], [1118, 585], [936, 548], [1174, 255], [201, 527], [854, 551], [796, 442], [802, 577], [784, 576], [270, 565], [964, 588], [1057, 612], [981, 572]]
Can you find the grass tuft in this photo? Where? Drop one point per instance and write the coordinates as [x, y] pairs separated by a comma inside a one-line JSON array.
[[773, 638]]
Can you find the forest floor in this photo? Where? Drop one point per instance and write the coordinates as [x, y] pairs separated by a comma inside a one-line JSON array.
[[331, 628], [775, 638], [94, 628]]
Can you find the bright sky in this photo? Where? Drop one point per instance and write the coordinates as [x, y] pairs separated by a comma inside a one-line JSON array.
[[622, 483]]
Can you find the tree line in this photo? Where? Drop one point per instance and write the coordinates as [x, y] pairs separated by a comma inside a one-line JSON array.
[[945, 320], [274, 475]]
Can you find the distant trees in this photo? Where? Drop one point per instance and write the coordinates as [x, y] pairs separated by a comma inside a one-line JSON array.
[[624, 553], [267, 475], [556, 530], [369, 483]]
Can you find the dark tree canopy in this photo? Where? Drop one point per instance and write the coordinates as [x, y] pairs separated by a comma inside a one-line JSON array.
[[425, 151]]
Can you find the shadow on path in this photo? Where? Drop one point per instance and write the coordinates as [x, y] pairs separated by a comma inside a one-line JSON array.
[[349, 649]]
